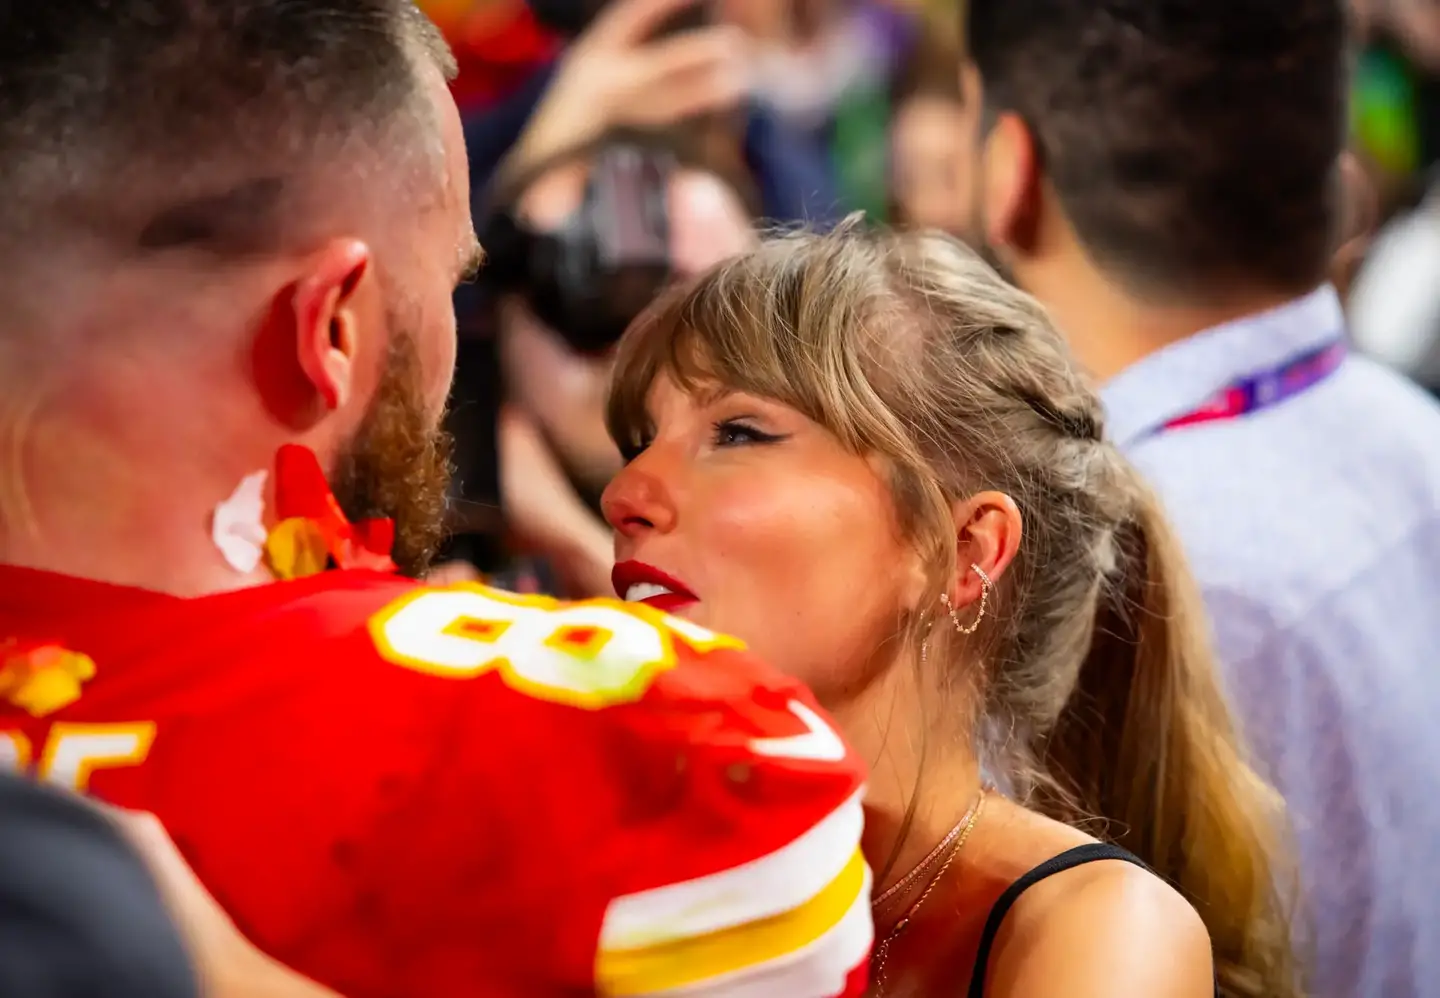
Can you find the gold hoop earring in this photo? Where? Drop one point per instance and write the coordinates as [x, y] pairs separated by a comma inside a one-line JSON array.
[[985, 585]]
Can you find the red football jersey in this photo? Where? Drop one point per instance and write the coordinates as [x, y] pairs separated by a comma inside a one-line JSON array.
[[401, 790]]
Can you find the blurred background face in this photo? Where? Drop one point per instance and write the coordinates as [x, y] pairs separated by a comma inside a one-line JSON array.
[[931, 164], [724, 516]]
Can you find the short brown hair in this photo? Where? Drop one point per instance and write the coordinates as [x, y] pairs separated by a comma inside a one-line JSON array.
[[151, 124], [1192, 143]]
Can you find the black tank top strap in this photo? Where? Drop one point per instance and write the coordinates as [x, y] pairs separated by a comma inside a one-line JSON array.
[[1092, 852]]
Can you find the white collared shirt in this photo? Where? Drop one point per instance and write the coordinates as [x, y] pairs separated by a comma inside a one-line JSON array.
[[1313, 526]]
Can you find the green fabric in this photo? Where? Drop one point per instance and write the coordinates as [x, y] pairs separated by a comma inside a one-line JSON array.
[[860, 151], [1383, 112]]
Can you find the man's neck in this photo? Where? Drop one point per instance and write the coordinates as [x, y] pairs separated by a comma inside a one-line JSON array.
[[76, 503], [1109, 329]]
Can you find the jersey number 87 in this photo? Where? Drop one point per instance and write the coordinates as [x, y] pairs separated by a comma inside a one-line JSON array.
[[587, 655]]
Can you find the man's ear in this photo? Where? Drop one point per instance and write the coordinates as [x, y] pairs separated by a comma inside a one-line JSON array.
[[1012, 184], [326, 328]]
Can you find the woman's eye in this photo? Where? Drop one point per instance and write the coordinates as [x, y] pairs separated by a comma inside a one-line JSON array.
[[734, 432]]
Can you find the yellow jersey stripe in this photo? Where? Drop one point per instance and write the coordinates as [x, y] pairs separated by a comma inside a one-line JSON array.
[[820, 970], [682, 962], [769, 885]]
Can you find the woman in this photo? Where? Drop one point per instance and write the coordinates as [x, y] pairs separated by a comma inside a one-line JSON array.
[[876, 462]]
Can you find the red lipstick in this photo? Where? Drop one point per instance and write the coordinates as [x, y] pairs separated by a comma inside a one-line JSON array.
[[635, 581]]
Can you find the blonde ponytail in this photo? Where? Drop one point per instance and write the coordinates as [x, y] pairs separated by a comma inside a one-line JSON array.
[[1147, 744]]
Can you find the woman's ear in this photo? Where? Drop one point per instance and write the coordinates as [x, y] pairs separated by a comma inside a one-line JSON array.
[[987, 534]]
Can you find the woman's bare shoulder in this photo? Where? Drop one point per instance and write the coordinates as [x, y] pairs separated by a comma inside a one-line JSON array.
[[1104, 928]]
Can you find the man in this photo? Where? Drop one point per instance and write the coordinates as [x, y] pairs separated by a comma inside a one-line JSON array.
[[230, 238], [1164, 178]]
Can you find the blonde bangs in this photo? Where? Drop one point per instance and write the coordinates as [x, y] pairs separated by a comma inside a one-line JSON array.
[[777, 323]]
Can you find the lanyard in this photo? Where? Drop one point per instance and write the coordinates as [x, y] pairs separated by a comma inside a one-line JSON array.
[[1265, 389]]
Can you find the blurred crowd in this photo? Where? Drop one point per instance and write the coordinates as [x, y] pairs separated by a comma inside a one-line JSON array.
[[610, 156]]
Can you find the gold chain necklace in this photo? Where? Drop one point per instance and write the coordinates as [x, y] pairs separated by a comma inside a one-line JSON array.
[[926, 863], [959, 834]]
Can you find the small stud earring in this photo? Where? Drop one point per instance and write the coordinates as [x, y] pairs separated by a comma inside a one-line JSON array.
[[985, 585]]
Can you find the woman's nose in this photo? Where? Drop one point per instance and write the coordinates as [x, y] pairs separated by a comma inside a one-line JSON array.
[[637, 500]]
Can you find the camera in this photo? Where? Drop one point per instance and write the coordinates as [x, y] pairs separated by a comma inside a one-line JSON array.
[[588, 278]]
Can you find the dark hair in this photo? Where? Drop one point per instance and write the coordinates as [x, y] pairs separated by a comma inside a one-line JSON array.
[[1192, 143], [147, 125]]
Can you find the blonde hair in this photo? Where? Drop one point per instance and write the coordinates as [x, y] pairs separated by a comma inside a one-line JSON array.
[[1098, 695]]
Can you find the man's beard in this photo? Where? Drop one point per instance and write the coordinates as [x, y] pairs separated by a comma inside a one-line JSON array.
[[398, 465]]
